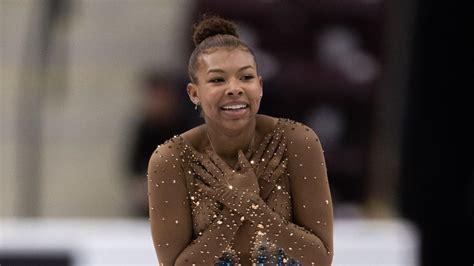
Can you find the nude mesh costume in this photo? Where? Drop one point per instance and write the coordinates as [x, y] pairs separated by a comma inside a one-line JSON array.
[[293, 212]]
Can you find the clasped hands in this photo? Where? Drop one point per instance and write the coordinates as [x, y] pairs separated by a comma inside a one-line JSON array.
[[230, 186]]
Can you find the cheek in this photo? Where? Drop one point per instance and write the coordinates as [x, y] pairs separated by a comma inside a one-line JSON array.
[[256, 102], [255, 99], [211, 103]]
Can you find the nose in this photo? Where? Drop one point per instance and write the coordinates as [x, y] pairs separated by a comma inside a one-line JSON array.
[[235, 92], [234, 89]]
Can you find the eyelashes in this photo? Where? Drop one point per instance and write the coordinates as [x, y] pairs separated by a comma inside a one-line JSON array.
[[221, 80], [217, 80]]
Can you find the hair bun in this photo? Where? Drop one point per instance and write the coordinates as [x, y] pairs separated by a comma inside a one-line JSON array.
[[210, 26]]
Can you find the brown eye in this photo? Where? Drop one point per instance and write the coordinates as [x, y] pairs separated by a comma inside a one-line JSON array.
[[247, 77], [216, 80]]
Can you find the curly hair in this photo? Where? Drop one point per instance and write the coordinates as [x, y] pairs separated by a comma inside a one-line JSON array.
[[211, 33]]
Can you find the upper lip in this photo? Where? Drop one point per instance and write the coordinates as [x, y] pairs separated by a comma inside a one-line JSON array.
[[234, 103]]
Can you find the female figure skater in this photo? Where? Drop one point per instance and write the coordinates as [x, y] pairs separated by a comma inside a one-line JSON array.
[[240, 181]]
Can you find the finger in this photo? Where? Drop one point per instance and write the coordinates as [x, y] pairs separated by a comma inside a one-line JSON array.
[[248, 153], [243, 162], [272, 147], [265, 189], [191, 153], [205, 176], [211, 167], [221, 165], [279, 171], [271, 182], [270, 153], [283, 145], [275, 161], [272, 144], [256, 161], [200, 158], [205, 189], [261, 148]]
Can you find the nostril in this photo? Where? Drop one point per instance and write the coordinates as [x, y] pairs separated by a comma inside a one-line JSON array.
[[232, 93]]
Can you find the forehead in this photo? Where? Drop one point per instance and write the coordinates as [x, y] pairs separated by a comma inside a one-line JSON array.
[[226, 59]]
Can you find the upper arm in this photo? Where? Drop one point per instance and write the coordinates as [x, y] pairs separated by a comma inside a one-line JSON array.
[[170, 214], [311, 197]]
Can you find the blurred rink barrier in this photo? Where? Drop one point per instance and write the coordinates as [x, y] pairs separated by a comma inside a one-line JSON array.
[[92, 242]]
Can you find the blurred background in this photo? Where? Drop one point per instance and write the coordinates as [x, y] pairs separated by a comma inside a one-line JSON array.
[[89, 88]]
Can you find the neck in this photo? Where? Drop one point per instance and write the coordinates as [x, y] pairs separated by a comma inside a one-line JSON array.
[[226, 143]]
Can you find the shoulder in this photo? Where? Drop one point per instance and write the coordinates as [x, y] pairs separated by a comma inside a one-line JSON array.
[[299, 136], [297, 130], [265, 123], [193, 137], [175, 145], [166, 155], [303, 146]]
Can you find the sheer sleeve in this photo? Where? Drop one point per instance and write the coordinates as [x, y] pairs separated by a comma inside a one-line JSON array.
[[311, 197], [170, 214], [308, 237]]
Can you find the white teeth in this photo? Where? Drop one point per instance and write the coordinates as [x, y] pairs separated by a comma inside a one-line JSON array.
[[234, 107]]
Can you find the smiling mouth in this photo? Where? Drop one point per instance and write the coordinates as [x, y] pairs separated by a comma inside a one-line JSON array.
[[235, 107]]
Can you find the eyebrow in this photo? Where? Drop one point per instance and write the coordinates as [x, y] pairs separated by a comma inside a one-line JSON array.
[[222, 71]]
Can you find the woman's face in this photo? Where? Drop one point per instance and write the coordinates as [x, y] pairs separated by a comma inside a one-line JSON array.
[[228, 88]]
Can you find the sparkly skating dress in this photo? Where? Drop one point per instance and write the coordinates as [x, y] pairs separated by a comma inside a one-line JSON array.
[[293, 211]]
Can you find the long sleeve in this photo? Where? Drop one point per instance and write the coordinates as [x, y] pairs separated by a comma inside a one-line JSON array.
[[170, 215], [308, 238], [216, 239], [312, 227]]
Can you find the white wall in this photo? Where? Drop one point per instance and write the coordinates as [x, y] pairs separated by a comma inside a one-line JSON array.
[[84, 129]]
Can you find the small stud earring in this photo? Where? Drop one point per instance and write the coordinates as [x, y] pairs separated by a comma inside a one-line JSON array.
[[196, 106]]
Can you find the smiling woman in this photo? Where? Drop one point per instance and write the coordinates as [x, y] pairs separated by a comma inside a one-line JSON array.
[[242, 187], [227, 86]]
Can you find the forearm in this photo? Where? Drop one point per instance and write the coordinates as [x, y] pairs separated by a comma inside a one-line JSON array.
[[213, 241], [297, 242]]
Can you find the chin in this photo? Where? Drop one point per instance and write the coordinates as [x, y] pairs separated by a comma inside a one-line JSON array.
[[237, 123]]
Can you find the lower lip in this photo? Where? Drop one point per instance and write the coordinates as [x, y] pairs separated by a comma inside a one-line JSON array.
[[235, 113]]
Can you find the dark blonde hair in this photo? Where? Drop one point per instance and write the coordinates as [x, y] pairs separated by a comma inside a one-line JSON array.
[[212, 33]]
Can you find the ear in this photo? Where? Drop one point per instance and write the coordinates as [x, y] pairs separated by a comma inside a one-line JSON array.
[[192, 90], [260, 80]]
